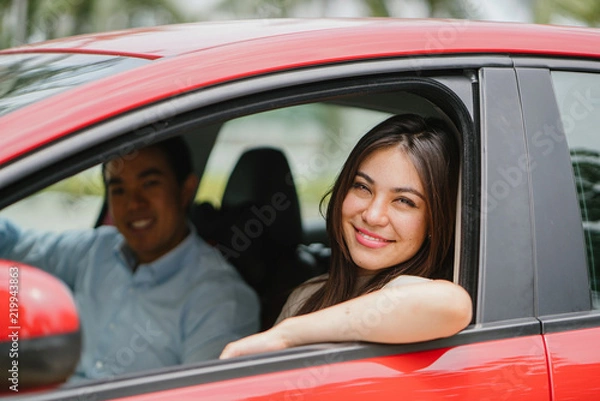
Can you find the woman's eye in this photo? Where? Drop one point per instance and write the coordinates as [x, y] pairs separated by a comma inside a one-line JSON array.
[[360, 187], [407, 201]]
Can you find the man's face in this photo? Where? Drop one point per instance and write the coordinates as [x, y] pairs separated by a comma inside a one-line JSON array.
[[147, 204]]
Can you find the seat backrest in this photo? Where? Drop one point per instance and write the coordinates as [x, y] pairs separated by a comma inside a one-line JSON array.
[[259, 227], [262, 178]]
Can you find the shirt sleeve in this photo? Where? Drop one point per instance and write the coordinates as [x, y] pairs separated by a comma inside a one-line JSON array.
[[225, 310], [58, 254]]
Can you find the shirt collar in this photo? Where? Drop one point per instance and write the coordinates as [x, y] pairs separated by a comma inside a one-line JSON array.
[[161, 269]]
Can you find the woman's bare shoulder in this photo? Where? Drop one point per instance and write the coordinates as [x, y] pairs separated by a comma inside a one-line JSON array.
[[300, 295], [406, 279]]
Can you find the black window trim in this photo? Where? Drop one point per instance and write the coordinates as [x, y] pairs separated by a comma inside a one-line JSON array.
[[558, 289], [505, 236], [571, 317]]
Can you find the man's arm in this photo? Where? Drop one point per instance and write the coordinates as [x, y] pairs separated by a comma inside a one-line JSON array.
[[58, 254]]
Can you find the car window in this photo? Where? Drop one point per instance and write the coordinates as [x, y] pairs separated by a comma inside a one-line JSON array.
[[315, 138], [73, 203], [28, 78], [578, 96]]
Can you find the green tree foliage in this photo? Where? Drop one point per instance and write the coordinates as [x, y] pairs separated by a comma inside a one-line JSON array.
[[49, 19], [584, 11], [320, 8]]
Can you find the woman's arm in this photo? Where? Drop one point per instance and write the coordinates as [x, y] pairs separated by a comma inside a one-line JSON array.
[[392, 315]]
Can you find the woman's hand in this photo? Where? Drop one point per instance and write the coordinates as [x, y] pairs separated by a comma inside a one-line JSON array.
[[273, 339]]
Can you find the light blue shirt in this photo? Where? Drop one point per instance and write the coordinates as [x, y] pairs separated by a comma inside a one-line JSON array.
[[182, 308]]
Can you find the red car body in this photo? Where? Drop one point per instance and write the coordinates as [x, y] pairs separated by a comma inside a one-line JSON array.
[[521, 360]]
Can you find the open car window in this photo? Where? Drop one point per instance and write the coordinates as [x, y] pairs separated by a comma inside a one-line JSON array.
[[72, 203], [315, 137]]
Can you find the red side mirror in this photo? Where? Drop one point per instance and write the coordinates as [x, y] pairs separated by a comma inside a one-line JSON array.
[[40, 339]]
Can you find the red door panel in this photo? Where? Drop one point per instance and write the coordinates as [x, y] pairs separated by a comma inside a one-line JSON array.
[[575, 364], [514, 369]]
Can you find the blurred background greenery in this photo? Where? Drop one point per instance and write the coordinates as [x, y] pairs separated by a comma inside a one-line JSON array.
[[27, 21]]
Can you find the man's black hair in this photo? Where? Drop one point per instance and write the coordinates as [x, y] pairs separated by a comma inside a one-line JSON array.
[[178, 156]]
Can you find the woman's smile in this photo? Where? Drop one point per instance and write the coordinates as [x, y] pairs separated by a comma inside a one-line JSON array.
[[370, 240], [384, 214]]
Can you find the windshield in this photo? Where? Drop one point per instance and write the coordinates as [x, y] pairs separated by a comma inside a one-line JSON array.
[[28, 78]]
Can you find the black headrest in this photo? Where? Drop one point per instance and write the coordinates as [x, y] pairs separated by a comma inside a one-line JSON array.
[[262, 180]]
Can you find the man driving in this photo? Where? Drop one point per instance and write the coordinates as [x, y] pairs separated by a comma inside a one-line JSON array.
[[150, 292]]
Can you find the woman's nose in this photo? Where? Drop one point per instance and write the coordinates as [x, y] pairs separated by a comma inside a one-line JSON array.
[[375, 214]]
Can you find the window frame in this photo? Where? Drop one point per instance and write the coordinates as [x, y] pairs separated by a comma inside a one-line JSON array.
[[239, 98], [563, 293]]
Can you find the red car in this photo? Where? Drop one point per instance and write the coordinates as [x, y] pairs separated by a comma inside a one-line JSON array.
[[525, 99]]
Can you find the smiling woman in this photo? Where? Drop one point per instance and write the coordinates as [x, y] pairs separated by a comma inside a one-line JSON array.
[[390, 226]]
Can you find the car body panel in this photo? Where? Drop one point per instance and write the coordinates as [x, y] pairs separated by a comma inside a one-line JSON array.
[[574, 363], [429, 35], [494, 370]]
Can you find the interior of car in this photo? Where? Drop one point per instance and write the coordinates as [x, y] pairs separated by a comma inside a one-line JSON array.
[[264, 181]]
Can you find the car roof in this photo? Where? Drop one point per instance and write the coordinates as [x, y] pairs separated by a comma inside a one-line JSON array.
[[231, 50], [442, 36]]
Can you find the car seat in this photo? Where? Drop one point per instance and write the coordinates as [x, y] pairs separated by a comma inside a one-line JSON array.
[[259, 228]]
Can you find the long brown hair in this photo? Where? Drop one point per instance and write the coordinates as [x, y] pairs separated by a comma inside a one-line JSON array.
[[432, 149]]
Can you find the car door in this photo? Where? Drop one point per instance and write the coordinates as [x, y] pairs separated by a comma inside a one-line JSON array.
[[561, 106], [501, 355]]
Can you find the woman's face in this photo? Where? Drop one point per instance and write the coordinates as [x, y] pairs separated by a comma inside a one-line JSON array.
[[384, 214]]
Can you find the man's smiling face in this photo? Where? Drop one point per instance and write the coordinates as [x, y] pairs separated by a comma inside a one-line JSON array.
[[147, 204]]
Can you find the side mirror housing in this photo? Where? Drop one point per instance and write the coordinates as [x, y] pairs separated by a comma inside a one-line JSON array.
[[40, 337]]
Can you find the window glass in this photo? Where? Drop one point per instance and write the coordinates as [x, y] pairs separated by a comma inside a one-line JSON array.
[[578, 96], [315, 138], [72, 203], [28, 78]]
